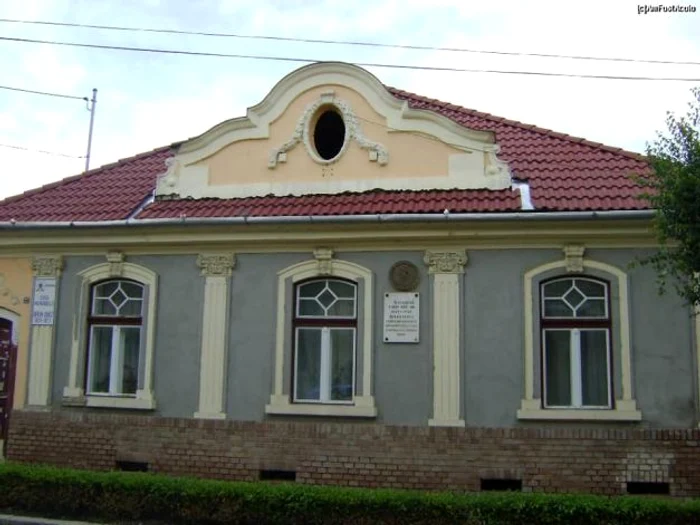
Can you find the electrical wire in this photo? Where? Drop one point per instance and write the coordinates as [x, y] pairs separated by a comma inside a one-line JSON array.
[[41, 151], [364, 64], [343, 42], [43, 93]]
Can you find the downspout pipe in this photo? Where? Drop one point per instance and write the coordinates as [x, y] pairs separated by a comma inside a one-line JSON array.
[[445, 217]]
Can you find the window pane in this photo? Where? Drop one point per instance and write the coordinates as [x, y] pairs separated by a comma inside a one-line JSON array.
[[310, 307], [326, 298], [343, 290], [592, 308], [308, 364], [558, 367], [132, 290], [557, 308], [590, 288], [574, 298], [311, 289], [130, 341], [342, 308], [100, 358], [342, 352], [131, 308], [104, 307], [594, 367], [106, 289], [557, 288]]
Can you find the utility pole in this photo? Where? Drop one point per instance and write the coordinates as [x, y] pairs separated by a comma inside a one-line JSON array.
[[91, 109]]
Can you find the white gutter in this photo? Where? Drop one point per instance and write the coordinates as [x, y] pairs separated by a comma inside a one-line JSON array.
[[446, 216]]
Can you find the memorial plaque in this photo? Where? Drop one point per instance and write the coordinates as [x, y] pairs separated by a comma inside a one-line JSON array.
[[401, 318]]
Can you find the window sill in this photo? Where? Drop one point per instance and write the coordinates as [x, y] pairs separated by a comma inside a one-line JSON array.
[[128, 403], [363, 407], [625, 411]]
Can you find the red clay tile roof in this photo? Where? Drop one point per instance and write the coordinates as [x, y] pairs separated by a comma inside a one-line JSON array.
[[110, 192], [564, 174], [370, 202]]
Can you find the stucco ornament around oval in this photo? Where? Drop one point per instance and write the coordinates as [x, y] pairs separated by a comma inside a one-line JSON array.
[[303, 132], [167, 182]]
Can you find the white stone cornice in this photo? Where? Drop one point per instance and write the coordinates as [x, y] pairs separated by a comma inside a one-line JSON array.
[[47, 265], [216, 264], [445, 262]]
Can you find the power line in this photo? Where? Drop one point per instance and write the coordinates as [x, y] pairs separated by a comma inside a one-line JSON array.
[[42, 93], [41, 151], [344, 42], [364, 64]]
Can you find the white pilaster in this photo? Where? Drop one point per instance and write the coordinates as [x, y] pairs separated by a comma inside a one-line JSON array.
[[41, 349], [217, 269], [446, 268]]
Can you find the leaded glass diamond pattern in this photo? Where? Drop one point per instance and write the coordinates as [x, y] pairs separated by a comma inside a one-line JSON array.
[[327, 298], [580, 298], [118, 298]]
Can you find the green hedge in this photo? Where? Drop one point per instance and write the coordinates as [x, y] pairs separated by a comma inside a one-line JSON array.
[[133, 497]]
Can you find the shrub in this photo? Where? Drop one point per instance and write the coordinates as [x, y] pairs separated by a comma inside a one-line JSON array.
[[139, 497]]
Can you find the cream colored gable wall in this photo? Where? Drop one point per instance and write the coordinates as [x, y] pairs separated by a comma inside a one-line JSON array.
[[410, 155], [15, 289], [387, 145]]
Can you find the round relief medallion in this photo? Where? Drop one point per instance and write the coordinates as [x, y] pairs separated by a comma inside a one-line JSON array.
[[404, 276]]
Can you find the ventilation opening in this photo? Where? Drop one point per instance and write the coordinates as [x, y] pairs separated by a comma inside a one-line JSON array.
[[132, 466], [329, 134], [501, 484], [647, 487], [278, 475]]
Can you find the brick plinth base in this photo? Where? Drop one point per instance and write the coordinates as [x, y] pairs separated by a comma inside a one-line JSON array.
[[599, 461]]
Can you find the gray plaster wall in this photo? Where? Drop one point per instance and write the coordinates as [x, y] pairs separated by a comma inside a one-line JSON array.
[[402, 373], [178, 329], [663, 358]]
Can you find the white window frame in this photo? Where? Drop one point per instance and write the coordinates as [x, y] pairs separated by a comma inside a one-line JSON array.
[[74, 391], [575, 369], [363, 404], [324, 387], [116, 360], [625, 406]]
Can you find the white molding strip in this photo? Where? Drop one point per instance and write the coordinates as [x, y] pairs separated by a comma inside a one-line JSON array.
[[41, 350], [446, 268], [217, 269]]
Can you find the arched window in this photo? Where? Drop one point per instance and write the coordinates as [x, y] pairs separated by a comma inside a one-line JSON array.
[[325, 334], [575, 325], [114, 327]]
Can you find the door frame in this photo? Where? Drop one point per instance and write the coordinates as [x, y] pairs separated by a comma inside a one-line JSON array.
[[13, 318]]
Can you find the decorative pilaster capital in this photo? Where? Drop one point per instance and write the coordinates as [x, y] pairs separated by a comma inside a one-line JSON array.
[[445, 262], [324, 259], [116, 263], [573, 254], [47, 265], [216, 264]]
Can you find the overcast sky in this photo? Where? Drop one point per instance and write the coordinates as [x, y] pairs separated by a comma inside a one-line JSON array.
[[150, 100]]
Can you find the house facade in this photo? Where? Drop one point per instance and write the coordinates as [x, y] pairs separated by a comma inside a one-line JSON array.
[[356, 285]]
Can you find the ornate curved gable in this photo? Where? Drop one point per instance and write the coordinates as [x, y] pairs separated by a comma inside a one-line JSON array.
[[330, 128]]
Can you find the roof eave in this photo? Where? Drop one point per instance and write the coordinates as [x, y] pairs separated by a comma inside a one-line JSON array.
[[366, 218]]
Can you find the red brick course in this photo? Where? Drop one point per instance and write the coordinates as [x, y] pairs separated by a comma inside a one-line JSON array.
[[598, 461]]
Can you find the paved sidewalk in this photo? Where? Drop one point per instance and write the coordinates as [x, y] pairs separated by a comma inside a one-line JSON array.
[[7, 519]]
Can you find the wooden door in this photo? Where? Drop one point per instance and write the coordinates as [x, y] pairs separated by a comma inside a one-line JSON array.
[[8, 353]]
